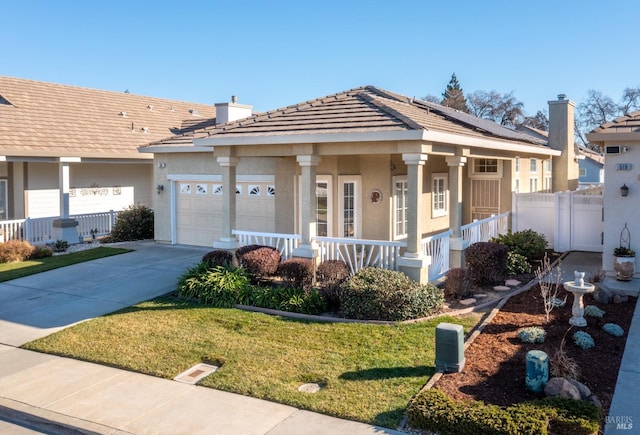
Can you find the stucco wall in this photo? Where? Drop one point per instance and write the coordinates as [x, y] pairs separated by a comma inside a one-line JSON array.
[[619, 210]]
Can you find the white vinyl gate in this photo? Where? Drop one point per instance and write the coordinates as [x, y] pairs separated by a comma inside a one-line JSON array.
[[570, 221]]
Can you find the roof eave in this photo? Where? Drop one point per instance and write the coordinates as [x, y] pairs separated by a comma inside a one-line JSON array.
[[160, 149], [601, 138]]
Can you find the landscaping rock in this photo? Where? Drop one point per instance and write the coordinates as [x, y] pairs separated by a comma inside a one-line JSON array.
[[585, 392], [468, 301], [594, 399], [502, 288], [603, 295], [620, 298], [480, 295], [512, 282], [562, 388]]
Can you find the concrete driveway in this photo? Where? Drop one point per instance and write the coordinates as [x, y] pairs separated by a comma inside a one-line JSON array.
[[38, 305]]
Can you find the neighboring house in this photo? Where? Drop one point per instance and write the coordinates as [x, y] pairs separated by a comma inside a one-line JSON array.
[[66, 147], [364, 163], [590, 163], [620, 142]]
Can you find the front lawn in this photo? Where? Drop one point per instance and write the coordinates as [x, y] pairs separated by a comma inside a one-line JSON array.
[[9, 271], [368, 372]]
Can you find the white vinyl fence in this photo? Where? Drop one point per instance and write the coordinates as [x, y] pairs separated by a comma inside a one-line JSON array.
[[39, 231], [570, 221]]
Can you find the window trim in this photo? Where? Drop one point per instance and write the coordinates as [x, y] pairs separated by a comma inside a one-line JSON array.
[[517, 165], [439, 212], [329, 180], [533, 165], [357, 205], [399, 179], [474, 174]]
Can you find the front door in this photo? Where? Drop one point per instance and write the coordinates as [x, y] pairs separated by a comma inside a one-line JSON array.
[[485, 198]]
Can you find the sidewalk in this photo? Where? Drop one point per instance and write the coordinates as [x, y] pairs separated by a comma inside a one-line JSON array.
[[49, 394]]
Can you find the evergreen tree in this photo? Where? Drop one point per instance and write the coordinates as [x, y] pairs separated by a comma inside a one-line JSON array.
[[453, 96]]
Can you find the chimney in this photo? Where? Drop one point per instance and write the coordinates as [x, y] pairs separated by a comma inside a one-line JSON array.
[[561, 137], [229, 112]]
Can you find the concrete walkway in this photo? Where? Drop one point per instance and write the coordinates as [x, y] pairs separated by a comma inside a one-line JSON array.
[[48, 394]]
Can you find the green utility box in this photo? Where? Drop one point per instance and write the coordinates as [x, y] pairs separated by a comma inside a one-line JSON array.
[[449, 347]]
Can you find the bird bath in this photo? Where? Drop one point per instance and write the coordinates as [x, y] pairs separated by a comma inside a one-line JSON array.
[[578, 288]]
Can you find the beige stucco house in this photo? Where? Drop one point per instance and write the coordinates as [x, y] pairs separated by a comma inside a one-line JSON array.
[[71, 150], [620, 142], [364, 163]]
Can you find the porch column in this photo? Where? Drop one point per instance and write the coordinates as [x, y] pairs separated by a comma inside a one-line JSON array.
[[65, 228], [228, 166], [414, 263], [307, 247], [456, 244]]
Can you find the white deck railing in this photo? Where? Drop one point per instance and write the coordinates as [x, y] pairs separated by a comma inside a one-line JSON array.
[[285, 243], [40, 230], [437, 247], [360, 253], [483, 230]]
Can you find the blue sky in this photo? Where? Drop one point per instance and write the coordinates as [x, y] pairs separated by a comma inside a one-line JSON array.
[[276, 53]]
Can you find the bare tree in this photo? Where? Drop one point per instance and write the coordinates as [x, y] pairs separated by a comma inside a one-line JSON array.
[[540, 120], [504, 109]]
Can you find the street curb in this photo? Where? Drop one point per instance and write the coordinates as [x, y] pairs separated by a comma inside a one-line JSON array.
[[36, 418]]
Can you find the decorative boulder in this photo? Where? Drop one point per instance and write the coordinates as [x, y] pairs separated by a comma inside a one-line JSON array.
[[562, 388], [585, 392]]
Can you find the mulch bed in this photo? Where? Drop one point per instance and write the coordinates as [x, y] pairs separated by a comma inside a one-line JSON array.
[[495, 362]]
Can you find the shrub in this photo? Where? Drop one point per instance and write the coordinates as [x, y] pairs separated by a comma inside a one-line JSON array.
[[613, 329], [261, 262], [458, 283], [381, 294], [245, 249], [593, 311], [217, 286], [583, 340], [218, 257], [133, 223], [58, 246], [487, 262], [330, 275], [532, 334], [41, 252], [527, 243], [285, 299], [12, 251], [517, 264], [296, 272], [432, 410]]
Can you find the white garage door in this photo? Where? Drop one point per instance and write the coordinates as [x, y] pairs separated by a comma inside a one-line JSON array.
[[199, 210]]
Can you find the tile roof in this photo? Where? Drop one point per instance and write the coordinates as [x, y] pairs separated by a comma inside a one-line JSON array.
[[364, 109], [40, 119], [625, 124]]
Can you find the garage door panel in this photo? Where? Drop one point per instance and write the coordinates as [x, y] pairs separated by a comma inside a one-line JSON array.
[[199, 217]]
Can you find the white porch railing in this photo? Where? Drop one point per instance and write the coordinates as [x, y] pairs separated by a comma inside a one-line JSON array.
[[437, 247], [483, 230], [285, 243], [40, 230], [360, 253]]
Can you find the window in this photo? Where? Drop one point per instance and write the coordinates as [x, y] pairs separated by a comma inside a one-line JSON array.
[[547, 183], [533, 184], [3, 200], [400, 189], [485, 166], [517, 169], [517, 185], [323, 216], [583, 172], [547, 165], [439, 195], [533, 165], [349, 210]]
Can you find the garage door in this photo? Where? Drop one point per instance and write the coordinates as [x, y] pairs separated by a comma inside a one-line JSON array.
[[199, 210]]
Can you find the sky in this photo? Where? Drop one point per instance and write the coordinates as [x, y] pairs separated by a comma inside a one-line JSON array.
[[275, 53]]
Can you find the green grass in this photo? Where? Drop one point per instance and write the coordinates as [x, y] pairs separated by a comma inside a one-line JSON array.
[[369, 372], [9, 271]]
